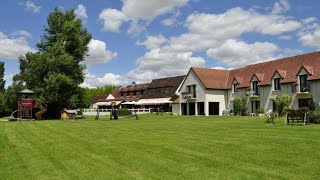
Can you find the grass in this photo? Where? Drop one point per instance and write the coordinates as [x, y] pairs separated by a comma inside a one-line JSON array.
[[159, 147]]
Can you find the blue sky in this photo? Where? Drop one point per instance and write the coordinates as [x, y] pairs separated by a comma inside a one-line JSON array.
[[138, 40]]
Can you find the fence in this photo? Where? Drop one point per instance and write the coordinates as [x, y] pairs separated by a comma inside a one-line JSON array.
[[103, 112]]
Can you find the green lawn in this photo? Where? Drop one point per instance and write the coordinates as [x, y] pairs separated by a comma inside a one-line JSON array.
[[159, 147]]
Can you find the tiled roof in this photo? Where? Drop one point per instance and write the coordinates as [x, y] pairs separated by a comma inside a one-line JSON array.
[[135, 87], [163, 88], [288, 68], [99, 98], [212, 78]]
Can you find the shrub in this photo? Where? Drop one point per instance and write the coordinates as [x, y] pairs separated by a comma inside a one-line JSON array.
[[260, 110], [270, 117], [239, 106], [123, 112], [314, 116], [283, 101], [174, 97], [79, 112]]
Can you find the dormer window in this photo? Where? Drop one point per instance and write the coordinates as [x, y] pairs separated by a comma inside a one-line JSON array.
[[235, 87], [303, 83], [276, 84], [255, 87]]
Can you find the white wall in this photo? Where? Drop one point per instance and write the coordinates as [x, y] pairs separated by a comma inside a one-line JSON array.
[[266, 96], [192, 79], [175, 108], [214, 95]]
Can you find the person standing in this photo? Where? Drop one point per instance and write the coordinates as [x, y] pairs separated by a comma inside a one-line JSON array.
[[97, 116]]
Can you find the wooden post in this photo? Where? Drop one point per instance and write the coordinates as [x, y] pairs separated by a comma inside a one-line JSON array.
[[286, 119]]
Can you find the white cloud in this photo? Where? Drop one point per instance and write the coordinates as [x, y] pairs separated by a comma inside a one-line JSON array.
[[149, 9], [210, 30], [309, 20], [11, 47], [31, 6], [280, 7], [153, 42], [238, 53], [98, 53], [237, 21], [171, 20], [93, 81], [81, 12], [285, 37], [8, 79], [112, 19], [135, 11], [21, 33], [136, 27], [216, 34], [219, 67], [159, 63], [311, 38]]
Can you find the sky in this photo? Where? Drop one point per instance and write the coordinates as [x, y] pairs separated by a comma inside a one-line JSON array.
[[141, 40]]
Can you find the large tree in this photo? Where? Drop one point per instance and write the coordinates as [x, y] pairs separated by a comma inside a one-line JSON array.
[[56, 70], [2, 81], [2, 95]]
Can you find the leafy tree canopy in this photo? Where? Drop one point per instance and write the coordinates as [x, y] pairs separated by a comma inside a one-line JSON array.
[[91, 93], [56, 70], [2, 81]]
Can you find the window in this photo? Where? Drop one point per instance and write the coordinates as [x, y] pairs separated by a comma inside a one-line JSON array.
[[235, 87], [192, 89], [276, 84], [303, 103], [303, 83], [255, 87]]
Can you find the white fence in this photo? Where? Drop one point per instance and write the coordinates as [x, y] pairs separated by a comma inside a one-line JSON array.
[[103, 112]]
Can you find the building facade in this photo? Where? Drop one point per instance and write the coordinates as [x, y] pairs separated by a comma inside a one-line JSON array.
[[211, 91], [156, 95]]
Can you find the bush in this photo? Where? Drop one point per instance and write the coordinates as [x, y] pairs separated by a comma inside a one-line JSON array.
[[123, 112], [239, 106], [79, 112], [270, 117], [284, 101], [260, 110], [314, 116]]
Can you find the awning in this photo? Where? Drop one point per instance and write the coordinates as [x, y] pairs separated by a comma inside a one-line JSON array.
[[129, 102], [107, 103], [155, 101]]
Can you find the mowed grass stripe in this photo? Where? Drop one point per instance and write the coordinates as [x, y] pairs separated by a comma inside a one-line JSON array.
[[160, 147]]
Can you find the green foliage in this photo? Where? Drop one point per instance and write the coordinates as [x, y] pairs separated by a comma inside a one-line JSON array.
[[90, 93], [314, 116], [239, 105], [260, 110], [3, 108], [12, 96], [56, 70], [312, 104], [284, 101], [123, 112], [2, 81], [174, 97]]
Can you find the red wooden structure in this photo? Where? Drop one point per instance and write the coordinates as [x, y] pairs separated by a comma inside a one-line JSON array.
[[26, 105]]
